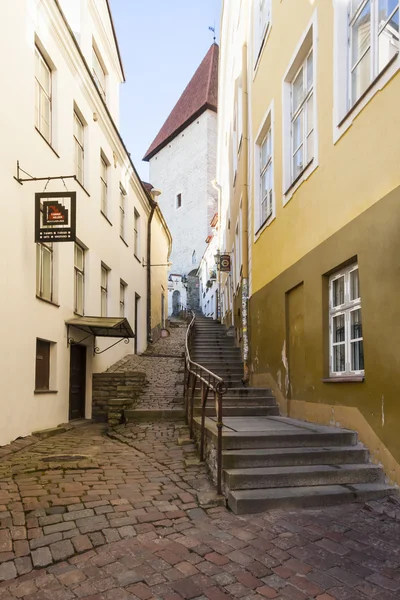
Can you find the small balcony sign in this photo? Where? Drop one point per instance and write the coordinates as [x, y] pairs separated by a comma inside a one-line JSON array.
[[55, 217], [225, 263]]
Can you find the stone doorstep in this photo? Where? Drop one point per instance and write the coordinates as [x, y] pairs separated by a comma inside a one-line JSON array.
[[43, 434]]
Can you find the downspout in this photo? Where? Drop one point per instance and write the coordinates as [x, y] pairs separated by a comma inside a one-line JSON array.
[[153, 205], [245, 216], [218, 187]]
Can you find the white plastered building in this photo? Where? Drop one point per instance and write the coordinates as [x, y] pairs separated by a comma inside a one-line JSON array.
[[62, 72]]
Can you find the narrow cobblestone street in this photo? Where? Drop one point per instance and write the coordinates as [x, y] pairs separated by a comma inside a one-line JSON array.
[[121, 518], [163, 364]]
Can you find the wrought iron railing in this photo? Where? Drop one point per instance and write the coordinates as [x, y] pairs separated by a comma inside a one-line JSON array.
[[196, 374]]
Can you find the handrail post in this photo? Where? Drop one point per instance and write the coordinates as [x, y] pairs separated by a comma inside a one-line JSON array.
[[218, 402], [192, 405], [204, 395], [187, 387]]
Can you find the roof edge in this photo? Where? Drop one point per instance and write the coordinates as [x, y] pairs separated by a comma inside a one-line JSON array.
[[196, 115], [116, 41]]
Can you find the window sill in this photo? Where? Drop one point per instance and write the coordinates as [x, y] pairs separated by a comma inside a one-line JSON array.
[[265, 224], [122, 239], [138, 259], [82, 186], [106, 218], [45, 391], [78, 314], [373, 83], [346, 379], [298, 178], [47, 142], [48, 301]]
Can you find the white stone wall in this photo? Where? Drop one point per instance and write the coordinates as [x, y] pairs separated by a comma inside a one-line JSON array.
[[24, 316], [186, 166]]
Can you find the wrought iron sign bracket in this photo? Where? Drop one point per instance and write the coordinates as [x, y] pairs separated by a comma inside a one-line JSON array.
[[22, 180], [98, 351]]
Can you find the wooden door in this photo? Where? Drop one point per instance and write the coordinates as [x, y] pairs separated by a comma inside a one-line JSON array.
[[77, 382], [295, 341]]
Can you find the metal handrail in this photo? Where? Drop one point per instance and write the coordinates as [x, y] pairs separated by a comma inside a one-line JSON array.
[[209, 381]]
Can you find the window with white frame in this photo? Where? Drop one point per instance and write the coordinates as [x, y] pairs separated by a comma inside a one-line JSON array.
[[234, 145], [373, 41], [122, 292], [103, 185], [44, 271], [302, 117], [346, 335], [79, 270], [99, 74], [136, 234], [262, 20], [237, 255], [122, 212], [266, 178], [43, 100], [104, 290], [238, 116], [79, 131]]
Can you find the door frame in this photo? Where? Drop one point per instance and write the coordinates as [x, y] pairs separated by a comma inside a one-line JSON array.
[[83, 402]]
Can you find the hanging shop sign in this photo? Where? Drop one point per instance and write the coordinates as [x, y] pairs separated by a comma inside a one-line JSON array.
[[55, 217], [225, 263]]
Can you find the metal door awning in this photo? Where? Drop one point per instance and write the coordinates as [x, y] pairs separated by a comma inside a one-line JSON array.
[[111, 327]]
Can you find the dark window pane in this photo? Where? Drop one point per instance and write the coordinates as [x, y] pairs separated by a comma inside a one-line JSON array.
[[42, 365]]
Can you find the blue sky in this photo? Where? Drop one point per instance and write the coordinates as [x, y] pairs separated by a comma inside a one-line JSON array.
[[162, 43]]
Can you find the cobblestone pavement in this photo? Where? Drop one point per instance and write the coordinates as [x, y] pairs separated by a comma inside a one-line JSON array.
[[119, 518], [164, 367]]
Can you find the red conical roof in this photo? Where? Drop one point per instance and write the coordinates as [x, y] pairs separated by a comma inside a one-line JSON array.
[[200, 94]]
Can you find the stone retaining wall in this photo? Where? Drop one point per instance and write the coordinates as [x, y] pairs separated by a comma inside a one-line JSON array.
[[116, 389]]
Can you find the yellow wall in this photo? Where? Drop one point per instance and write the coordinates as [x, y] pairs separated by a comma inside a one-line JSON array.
[[160, 250], [352, 174]]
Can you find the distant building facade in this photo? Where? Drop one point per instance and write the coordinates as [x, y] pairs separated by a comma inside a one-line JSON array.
[[182, 161]]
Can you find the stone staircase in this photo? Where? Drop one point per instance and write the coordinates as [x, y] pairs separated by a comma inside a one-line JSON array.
[[270, 461]]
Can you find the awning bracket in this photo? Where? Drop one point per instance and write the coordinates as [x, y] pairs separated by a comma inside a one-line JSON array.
[[71, 341], [98, 351]]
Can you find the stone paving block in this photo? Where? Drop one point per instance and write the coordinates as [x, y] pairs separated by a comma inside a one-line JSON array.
[[7, 571], [23, 565], [61, 550], [45, 540], [128, 578]]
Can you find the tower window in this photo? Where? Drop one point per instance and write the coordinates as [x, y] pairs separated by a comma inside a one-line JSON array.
[[178, 200]]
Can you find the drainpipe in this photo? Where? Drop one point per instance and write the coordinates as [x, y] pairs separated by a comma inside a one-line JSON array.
[[153, 205], [218, 187], [245, 208]]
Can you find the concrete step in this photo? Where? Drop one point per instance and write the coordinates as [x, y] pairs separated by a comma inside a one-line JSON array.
[[248, 402], [254, 501], [301, 476], [288, 439], [216, 356], [241, 459], [240, 411], [207, 346], [242, 392]]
